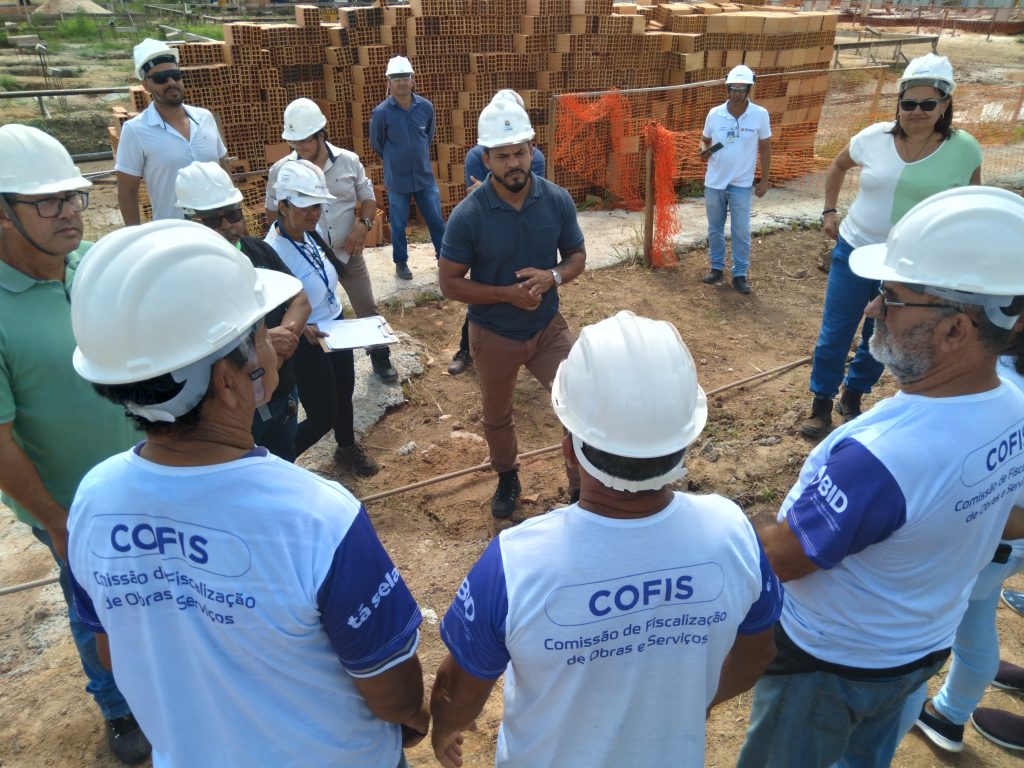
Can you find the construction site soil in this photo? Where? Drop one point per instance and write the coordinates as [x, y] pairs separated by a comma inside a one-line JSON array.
[[749, 452]]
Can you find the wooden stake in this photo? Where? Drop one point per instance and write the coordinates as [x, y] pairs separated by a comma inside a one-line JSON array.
[[649, 201]]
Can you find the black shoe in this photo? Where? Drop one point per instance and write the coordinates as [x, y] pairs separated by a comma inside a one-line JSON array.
[[127, 741], [1003, 728], [818, 423], [380, 359], [460, 362], [849, 404], [356, 459], [1010, 677], [940, 732], [402, 271], [505, 498], [714, 277], [741, 285]]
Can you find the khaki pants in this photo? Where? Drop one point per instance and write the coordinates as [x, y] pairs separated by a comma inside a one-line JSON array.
[[498, 360], [355, 279]]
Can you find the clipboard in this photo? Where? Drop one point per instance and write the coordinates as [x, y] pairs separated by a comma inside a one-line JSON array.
[[371, 331]]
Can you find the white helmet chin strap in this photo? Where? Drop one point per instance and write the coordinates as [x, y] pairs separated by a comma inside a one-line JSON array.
[[618, 484], [196, 378]]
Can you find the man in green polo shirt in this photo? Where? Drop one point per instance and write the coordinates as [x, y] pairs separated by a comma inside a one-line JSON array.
[[53, 427]]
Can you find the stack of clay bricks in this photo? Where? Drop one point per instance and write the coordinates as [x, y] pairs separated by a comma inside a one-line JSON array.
[[463, 51]]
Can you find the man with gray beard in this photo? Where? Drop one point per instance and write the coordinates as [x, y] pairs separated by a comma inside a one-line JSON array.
[[895, 513]]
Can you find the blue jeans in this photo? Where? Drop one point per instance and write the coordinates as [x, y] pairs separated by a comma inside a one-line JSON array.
[[277, 434], [101, 680], [428, 201], [736, 202], [845, 300], [818, 719], [975, 653]]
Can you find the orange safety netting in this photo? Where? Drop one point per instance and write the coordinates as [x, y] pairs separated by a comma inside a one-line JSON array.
[[662, 143]]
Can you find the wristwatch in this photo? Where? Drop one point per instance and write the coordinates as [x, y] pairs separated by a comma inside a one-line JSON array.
[[368, 223], [558, 277]]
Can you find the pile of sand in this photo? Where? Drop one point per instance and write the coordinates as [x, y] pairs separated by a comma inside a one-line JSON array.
[[57, 7]]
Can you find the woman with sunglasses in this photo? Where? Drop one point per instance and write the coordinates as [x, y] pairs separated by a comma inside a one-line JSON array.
[[206, 194], [902, 162], [326, 379]]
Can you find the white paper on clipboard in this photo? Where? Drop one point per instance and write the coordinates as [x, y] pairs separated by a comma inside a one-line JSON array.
[[353, 334]]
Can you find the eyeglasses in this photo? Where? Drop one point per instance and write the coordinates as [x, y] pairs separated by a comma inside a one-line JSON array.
[[886, 303], [52, 207], [214, 220], [399, 78], [738, 88], [161, 78], [926, 105]]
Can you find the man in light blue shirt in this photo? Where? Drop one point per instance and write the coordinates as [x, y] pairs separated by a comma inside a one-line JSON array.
[[401, 129]]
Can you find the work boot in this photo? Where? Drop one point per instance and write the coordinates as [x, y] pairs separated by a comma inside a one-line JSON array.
[[849, 404], [460, 362], [818, 423], [505, 498], [402, 270], [127, 741], [741, 285], [380, 359], [353, 457], [714, 277]]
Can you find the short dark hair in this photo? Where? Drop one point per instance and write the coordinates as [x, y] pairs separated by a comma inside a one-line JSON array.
[[159, 390], [632, 469]]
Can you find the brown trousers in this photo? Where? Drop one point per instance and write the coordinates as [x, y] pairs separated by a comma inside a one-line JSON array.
[[498, 360]]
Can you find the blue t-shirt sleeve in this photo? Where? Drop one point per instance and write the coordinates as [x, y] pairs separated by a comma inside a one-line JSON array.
[[365, 607], [571, 238], [457, 244], [474, 627], [765, 612], [537, 163], [851, 503], [83, 604], [475, 166]]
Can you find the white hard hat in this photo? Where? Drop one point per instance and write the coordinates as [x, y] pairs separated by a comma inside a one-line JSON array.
[[929, 69], [302, 184], [34, 163], [204, 187], [509, 95], [149, 49], [963, 245], [302, 118], [398, 65], [740, 75], [629, 388], [502, 123], [159, 297]]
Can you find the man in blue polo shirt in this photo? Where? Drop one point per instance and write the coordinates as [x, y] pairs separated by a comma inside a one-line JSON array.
[[401, 129], [507, 235]]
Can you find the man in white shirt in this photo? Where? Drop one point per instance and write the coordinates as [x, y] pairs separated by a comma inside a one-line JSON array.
[[344, 223], [168, 136], [735, 133], [896, 512], [620, 620]]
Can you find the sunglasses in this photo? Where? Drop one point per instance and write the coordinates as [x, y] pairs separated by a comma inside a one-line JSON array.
[[738, 88], [161, 78], [214, 220], [926, 105]]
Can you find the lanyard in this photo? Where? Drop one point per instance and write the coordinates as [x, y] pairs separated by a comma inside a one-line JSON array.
[[314, 259]]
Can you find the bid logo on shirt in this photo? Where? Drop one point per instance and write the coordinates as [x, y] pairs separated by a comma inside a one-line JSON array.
[[620, 596], [134, 536], [827, 488]]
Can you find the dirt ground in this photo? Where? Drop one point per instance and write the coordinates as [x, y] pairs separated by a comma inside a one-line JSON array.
[[749, 452]]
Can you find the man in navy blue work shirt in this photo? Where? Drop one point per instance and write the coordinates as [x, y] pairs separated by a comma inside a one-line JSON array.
[[507, 235], [401, 130], [476, 172]]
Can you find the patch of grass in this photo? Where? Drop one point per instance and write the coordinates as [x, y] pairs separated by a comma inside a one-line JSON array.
[[214, 31], [632, 253], [79, 28], [10, 83]]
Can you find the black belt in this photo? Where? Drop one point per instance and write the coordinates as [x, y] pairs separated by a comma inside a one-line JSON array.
[[793, 660]]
